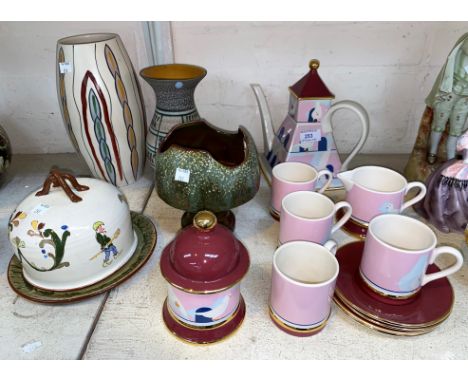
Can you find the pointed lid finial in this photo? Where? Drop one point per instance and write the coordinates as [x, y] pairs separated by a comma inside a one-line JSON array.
[[311, 85], [314, 64]]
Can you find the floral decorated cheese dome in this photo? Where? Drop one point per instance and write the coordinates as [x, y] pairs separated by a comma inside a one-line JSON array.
[[72, 233]]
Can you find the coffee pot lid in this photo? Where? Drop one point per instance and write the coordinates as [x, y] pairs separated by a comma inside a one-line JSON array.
[[205, 257], [311, 85]]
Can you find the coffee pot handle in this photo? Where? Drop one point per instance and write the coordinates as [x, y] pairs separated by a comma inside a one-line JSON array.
[[364, 119]]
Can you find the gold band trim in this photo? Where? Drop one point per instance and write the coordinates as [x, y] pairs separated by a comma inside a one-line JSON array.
[[276, 319], [404, 329], [191, 291], [349, 304], [274, 213], [386, 295], [205, 343], [210, 327], [360, 237], [379, 328]]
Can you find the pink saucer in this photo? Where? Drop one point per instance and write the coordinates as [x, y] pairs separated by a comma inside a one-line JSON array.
[[432, 304]]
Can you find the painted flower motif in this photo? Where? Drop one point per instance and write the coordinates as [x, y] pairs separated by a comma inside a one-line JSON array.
[[15, 219], [387, 208], [64, 227], [18, 242], [36, 228]]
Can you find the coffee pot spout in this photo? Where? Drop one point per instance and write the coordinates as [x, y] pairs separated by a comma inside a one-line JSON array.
[[267, 123], [347, 179]]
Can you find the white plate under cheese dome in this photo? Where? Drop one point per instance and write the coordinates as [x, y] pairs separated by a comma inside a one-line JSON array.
[[65, 244]]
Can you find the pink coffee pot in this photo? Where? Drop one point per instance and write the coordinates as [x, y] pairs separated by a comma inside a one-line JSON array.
[[306, 133]]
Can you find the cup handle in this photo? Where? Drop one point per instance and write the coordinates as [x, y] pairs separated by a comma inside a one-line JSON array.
[[346, 216], [329, 180], [447, 271], [418, 197], [331, 246]]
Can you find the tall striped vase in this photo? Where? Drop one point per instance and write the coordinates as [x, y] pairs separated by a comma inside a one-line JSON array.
[[101, 105], [174, 87]]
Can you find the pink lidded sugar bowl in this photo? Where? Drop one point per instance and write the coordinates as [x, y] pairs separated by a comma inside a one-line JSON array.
[[204, 266]]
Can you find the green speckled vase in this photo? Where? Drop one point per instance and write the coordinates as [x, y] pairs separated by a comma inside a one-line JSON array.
[[202, 167]]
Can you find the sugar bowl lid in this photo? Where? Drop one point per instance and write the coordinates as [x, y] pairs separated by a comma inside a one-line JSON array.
[[205, 257]]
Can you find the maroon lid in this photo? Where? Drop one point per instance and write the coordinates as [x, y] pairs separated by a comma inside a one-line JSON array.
[[205, 257], [311, 85]]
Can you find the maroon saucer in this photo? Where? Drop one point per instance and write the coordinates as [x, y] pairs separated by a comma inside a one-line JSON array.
[[431, 305], [206, 335], [353, 227]]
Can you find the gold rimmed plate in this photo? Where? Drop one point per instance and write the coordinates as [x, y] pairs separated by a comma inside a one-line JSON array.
[[147, 237], [429, 307], [380, 328], [376, 319]]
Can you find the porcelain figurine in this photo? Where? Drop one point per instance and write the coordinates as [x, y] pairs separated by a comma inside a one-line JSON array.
[[306, 134], [445, 116], [204, 266], [202, 167], [5, 153], [174, 86], [71, 233], [446, 203], [101, 105]]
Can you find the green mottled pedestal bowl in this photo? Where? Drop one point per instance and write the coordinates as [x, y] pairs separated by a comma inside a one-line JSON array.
[[201, 167]]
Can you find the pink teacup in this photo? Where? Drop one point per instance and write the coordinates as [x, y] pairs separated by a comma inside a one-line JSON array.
[[397, 252], [289, 177], [375, 190], [302, 286], [308, 215]]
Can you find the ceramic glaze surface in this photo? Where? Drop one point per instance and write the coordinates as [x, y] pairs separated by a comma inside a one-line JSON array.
[[299, 304], [198, 335], [64, 245], [307, 215], [306, 134], [202, 167], [432, 304], [397, 252], [5, 152], [294, 176], [374, 190], [205, 257], [174, 87], [147, 237], [203, 309], [202, 255], [101, 105]]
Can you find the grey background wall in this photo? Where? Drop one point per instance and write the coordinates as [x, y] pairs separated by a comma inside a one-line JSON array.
[[387, 67]]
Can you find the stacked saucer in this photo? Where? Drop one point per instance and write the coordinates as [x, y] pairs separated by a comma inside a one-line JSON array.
[[412, 316]]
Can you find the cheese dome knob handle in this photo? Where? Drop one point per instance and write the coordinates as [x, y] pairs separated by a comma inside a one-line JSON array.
[[59, 178], [204, 220]]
